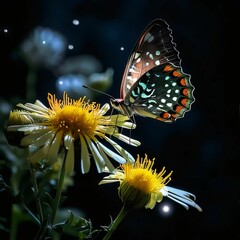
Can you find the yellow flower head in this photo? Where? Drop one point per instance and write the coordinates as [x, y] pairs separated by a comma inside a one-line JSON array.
[[68, 122], [142, 186]]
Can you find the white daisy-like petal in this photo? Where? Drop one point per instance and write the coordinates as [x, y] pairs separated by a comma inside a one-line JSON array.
[[120, 150], [109, 165], [33, 128], [38, 155], [114, 177], [127, 125], [127, 140], [68, 140], [112, 154], [178, 201], [39, 138], [54, 148], [85, 159], [33, 108], [104, 109], [24, 128], [97, 157], [41, 105], [181, 192], [180, 196]]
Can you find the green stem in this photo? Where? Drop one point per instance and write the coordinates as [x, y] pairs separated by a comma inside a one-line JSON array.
[[36, 192], [123, 212], [17, 217], [32, 214], [59, 190], [14, 223]]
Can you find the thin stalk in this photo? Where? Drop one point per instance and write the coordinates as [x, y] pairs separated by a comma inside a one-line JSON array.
[[121, 215], [59, 190], [36, 192]]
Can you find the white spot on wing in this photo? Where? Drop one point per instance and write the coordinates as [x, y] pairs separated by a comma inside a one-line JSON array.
[[138, 60]]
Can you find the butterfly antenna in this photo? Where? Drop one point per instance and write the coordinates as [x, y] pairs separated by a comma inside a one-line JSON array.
[[95, 90]]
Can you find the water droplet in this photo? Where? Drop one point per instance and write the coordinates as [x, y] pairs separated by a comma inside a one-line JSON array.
[[43, 42], [5, 30], [70, 47], [75, 22], [122, 48]]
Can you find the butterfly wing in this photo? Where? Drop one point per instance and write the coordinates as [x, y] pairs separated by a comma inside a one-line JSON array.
[[163, 93], [154, 47]]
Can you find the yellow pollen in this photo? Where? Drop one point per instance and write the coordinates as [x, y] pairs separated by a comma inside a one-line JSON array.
[[141, 176], [75, 116]]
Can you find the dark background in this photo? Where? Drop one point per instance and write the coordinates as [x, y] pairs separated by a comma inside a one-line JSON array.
[[202, 149]]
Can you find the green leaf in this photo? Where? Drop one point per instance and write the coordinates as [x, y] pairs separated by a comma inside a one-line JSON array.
[[76, 227]]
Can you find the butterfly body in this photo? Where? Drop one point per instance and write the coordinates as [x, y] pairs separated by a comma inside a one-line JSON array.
[[154, 84]]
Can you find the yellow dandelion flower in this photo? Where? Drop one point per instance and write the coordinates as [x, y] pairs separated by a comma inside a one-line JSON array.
[[142, 186], [69, 122]]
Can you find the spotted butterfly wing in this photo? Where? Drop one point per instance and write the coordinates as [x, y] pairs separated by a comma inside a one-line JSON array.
[[154, 84]]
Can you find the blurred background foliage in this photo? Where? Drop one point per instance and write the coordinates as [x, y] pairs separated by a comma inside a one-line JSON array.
[[202, 149]]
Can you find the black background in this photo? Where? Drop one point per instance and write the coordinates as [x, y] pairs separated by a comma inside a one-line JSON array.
[[202, 149]]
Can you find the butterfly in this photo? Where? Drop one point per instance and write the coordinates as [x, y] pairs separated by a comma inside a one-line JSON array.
[[154, 84]]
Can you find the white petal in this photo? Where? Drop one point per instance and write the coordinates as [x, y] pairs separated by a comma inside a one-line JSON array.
[[105, 181], [26, 128], [180, 192], [104, 109], [96, 155], [127, 140], [112, 154], [33, 108], [85, 159], [127, 125], [40, 154], [41, 105], [180, 196], [108, 164], [128, 157], [38, 138], [113, 177], [70, 160], [14, 128], [68, 140], [178, 201], [54, 148]]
